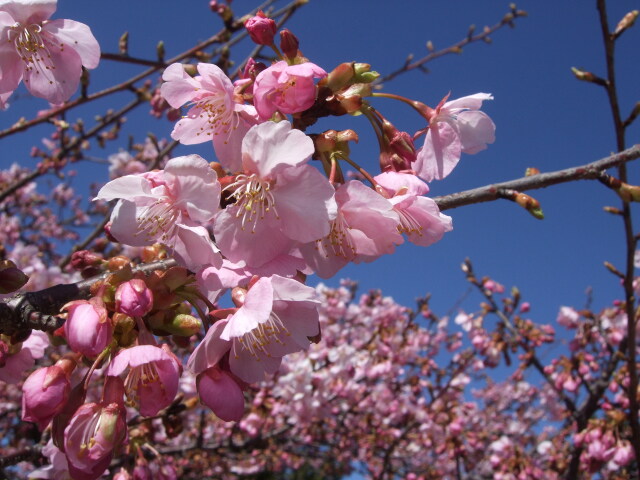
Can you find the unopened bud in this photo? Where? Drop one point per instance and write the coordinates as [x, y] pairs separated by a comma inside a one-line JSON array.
[[123, 43], [530, 204], [117, 263], [261, 29], [11, 277], [629, 193], [85, 258], [627, 22], [289, 44], [183, 325], [364, 73], [160, 51], [531, 171], [339, 77], [585, 76], [613, 269], [613, 210]]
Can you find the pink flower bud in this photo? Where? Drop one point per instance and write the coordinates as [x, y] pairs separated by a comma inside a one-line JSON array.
[[88, 328], [221, 393], [289, 43], [45, 392], [11, 277], [133, 298], [261, 29]]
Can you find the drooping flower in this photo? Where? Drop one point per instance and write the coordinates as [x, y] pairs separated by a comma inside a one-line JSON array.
[[286, 88], [278, 199], [45, 392], [455, 127], [364, 229], [47, 54], [216, 113], [88, 328], [152, 381], [94, 432], [420, 217], [170, 206], [221, 393]]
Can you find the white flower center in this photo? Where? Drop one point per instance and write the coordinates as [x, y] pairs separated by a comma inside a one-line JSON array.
[[254, 199]]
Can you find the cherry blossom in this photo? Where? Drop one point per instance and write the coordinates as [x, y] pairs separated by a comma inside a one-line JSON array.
[[286, 88], [47, 54], [455, 127], [277, 197], [169, 206], [216, 113]]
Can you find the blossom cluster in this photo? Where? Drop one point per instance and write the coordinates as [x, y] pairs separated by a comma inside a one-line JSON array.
[[278, 205]]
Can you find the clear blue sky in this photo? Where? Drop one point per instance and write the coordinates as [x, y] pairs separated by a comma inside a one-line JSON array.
[[544, 117]]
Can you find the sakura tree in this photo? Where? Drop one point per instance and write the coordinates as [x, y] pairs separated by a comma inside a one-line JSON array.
[[160, 320]]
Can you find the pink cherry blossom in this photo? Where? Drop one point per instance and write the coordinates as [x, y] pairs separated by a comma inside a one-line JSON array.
[[13, 365], [133, 298], [278, 198], [278, 317], [152, 381], [420, 217], [169, 206], [47, 54], [94, 432], [286, 88], [45, 392], [364, 229], [221, 393], [261, 28], [88, 328], [455, 127], [216, 112]]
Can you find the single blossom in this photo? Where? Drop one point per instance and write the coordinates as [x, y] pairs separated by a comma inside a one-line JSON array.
[[45, 392], [420, 217], [365, 228], [278, 317], [455, 127], [219, 391], [261, 28], [152, 380], [170, 206], [88, 328], [134, 298], [216, 113], [47, 54], [278, 199], [95, 431], [286, 88]]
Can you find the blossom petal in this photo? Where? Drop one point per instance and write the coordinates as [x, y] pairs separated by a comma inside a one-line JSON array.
[[77, 36]]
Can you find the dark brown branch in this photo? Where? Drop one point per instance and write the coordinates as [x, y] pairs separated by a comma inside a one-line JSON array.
[[488, 193], [39, 310]]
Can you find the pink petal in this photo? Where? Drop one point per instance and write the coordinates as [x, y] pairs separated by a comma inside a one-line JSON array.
[[256, 310], [56, 85], [179, 88], [210, 351], [270, 147], [29, 11], [476, 131], [471, 102], [440, 153], [77, 36], [221, 394]]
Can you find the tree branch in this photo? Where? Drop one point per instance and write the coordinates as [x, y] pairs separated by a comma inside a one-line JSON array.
[[488, 193]]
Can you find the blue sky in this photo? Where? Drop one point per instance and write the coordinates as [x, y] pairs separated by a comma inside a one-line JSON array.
[[544, 117]]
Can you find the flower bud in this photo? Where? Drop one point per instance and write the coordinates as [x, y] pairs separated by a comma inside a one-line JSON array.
[[84, 258], [88, 328], [133, 298], [45, 392], [289, 44], [261, 29], [11, 277]]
